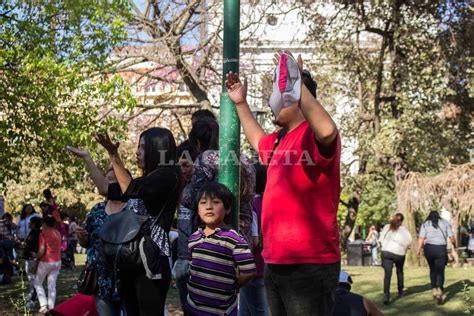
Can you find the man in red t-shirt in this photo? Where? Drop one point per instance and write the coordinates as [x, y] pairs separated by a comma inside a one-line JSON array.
[[299, 222]]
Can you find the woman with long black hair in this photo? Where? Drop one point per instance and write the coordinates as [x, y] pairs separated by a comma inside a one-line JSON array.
[[23, 228], [156, 195], [434, 234]]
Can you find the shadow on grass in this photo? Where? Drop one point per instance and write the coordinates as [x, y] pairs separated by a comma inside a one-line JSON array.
[[454, 288]]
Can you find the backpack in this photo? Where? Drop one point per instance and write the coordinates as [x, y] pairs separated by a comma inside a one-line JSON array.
[[120, 236]]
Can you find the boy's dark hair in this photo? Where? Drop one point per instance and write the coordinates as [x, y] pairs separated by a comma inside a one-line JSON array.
[[200, 114], [36, 222], [309, 82], [216, 190], [49, 220]]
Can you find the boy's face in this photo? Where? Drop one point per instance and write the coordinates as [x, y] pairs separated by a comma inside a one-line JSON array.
[[212, 211]]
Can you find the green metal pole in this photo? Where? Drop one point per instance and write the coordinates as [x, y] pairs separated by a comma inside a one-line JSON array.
[[229, 131]]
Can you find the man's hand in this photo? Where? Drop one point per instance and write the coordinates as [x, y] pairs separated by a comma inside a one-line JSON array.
[[81, 153], [237, 91], [104, 140], [277, 56]]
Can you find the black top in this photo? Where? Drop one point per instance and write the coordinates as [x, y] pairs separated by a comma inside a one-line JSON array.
[[349, 304], [32, 243], [159, 189]]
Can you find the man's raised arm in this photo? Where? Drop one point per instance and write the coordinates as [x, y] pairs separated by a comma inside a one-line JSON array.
[[238, 94]]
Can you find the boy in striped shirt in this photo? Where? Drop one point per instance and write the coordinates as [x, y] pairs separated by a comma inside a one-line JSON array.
[[221, 260]]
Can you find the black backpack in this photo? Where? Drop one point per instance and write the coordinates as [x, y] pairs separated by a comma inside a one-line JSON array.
[[121, 235]]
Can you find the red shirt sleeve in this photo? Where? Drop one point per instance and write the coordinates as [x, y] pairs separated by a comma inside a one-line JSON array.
[[314, 153]]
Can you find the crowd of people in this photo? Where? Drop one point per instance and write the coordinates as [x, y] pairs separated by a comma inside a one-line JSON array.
[[282, 259], [38, 245]]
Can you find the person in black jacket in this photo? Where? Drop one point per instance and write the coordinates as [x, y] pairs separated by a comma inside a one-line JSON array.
[[154, 194]]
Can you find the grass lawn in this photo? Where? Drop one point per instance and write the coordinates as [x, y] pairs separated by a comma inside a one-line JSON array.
[[368, 281]]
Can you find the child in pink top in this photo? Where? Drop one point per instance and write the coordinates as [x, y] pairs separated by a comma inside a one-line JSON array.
[[49, 256]]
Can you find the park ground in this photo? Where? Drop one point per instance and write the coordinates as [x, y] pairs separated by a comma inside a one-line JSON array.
[[368, 281]]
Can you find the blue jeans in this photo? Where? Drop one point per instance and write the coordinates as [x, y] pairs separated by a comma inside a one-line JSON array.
[[8, 246], [375, 260], [182, 277], [253, 300]]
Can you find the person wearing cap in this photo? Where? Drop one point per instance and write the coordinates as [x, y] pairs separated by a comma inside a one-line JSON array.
[[351, 304], [299, 223]]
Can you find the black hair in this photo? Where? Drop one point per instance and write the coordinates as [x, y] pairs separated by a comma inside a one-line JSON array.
[[309, 82], [47, 194], [23, 211], [202, 114], [36, 222], [434, 218], [186, 150], [260, 177], [48, 207], [216, 190], [49, 220], [396, 221], [158, 140], [205, 133], [7, 216]]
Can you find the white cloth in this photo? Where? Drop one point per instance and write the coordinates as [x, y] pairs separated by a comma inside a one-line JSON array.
[[470, 245], [51, 270], [396, 242]]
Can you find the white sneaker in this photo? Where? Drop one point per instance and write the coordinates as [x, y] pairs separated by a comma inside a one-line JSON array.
[[43, 310]]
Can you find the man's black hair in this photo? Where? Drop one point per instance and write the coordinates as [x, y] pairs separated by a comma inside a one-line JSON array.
[[309, 82]]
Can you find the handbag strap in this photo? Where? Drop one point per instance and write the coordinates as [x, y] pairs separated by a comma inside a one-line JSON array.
[[280, 135]]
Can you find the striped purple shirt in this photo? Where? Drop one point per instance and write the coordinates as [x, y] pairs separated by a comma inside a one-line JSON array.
[[216, 261]]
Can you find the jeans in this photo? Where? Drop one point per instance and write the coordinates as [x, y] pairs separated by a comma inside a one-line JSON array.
[[182, 277], [8, 246], [301, 289], [437, 257], [375, 259], [253, 301], [388, 260], [108, 308], [142, 296], [50, 270]]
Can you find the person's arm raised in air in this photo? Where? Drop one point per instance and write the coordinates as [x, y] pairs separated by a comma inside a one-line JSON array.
[[238, 94], [123, 177], [96, 174]]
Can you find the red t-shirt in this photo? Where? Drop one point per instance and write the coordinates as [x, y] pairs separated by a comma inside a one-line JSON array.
[[50, 239], [299, 219]]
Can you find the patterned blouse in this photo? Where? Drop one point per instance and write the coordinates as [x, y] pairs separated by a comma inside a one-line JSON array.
[[94, 221], [205, 170]]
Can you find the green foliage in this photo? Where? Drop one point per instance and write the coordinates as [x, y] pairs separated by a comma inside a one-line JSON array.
[[397, 66], [466, 297], [56, 85]]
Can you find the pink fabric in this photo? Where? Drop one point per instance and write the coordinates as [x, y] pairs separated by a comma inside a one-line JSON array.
[[50, 239], [78, 305], [282, 79]]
